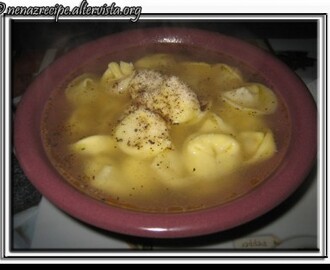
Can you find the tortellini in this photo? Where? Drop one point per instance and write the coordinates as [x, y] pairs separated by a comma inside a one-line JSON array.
[[170, 168], [98, 165], [117, 77], [226, 77], [83, 90], [108, 176], [196, 73], [103, 174], [94, 145], [257, 146], [142, 133], [253, 98], [80, 123], [136, 172], [214, 123], [201, 76], [211, 155], [159, 61], [86, 118], [174, 101], [145, 81]]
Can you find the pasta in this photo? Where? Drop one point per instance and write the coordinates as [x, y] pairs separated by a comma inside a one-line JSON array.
[[211, 155], [117, 77], [254, 98]]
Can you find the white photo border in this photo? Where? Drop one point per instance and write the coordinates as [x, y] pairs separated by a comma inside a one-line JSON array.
[[6, 147]]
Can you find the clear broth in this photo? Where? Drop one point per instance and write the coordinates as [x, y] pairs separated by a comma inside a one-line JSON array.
[[151, 195]]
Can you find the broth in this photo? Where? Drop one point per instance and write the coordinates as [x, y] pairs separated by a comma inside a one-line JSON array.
[[84, 131]]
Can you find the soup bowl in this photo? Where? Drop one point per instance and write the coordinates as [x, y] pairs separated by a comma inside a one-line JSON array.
[[286, 178]]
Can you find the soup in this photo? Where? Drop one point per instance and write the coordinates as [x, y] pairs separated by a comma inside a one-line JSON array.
[[165, 131]]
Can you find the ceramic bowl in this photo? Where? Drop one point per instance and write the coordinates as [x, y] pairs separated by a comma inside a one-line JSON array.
[[299, 157]]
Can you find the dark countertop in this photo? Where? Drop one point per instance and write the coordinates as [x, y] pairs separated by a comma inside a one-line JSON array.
[[24, 193]]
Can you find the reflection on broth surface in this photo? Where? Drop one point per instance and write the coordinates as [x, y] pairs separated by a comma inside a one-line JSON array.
[[165, 132]]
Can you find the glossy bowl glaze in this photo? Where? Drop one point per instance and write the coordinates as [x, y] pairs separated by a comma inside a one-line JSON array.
[[284, 181]]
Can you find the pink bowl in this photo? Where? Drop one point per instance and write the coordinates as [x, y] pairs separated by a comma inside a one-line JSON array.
[[290, 174]]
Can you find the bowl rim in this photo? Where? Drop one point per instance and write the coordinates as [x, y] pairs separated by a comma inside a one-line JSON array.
[[290, 174]]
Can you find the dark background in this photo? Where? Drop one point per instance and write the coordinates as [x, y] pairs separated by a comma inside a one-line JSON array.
[[32, 35]]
